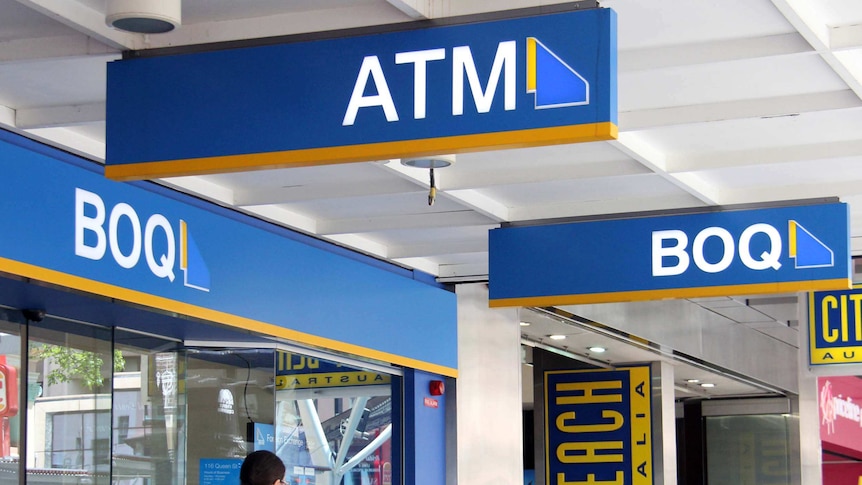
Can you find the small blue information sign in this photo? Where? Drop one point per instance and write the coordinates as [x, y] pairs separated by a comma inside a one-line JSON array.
[[220, 471], [264, 437]]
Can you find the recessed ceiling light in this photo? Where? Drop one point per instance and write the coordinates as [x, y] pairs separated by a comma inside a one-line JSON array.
[[692, 381], [556, 337], [597, 349], [707, 384], [525, 324]]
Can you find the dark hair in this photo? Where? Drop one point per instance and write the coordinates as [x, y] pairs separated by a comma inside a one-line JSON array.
[[261, 468]]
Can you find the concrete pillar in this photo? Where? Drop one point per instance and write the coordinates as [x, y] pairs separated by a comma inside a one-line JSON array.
[[663, 424], [807, 409], [489, 445]]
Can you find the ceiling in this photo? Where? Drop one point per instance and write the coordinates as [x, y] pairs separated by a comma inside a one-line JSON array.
[[731, 102]]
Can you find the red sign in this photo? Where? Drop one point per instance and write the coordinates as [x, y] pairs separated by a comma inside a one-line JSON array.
[[840, 401], [839, 472], [431, 403], [8, 391]]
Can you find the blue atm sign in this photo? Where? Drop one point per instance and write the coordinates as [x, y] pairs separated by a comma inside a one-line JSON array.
[[835, 321], [799, 248], [598, 427], [529, 81]]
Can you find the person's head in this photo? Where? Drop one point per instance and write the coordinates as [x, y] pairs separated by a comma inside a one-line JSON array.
[[261, 468]]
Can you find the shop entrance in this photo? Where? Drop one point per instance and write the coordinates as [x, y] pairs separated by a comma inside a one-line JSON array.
[[88, 404]]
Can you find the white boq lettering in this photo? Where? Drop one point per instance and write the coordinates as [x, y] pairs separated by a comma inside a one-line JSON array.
[[659, 253], [84, 198]]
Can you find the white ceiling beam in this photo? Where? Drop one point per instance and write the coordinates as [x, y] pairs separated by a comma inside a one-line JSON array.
[[422, 264], [53, 116], [639, 149], [406, 221], [479, 202], [315, 20], [519, 175], [803, 15], [789, 192], [650, 58], [49, 48], [415, 9], [463, 270], [285, 217], [84, 19], [845, 36], [72, 141], [301, 193], [7, 116], [603, 206], [439, 248], [359, 243], [740, 109], [201, 187], [468, 198], [220, 195], [764, 156]]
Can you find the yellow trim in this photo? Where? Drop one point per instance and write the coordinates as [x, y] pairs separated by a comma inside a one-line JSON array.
[[623, 296], [812, 345], [245, 324], [531, 64], [361, 153], [791, 238], [818, 355], [184, 246]]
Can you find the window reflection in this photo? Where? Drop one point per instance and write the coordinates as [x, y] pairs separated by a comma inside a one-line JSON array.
[[10, 388], [69, 424], [148, 412], [334, 422]]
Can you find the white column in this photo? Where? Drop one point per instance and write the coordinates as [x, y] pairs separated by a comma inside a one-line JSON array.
[[664, 424], [810, 454], [489, 436]]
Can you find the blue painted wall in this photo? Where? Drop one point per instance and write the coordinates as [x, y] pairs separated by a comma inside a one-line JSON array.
[[424, 431]]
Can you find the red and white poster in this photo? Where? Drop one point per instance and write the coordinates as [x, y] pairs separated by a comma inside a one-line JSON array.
[[840, 402]]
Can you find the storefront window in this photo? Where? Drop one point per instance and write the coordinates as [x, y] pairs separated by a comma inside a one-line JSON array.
[[69, 428], [10, 389], [230, 400], [110, 406], [748, 450], [334, 422], [149, 409]]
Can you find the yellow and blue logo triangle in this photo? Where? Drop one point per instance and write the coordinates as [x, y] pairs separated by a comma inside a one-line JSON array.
[[553, 82], [806, 250], [195, 271]]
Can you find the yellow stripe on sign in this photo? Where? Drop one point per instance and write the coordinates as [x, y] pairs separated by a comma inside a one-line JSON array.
[[641, 425], [363, 153], [791, 238], [836, 355], [671, 293], [184, 248], [244, 324], [330, 379], [531, 64]]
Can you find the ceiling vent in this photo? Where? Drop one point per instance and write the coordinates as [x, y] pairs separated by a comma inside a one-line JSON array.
[[144, 16]]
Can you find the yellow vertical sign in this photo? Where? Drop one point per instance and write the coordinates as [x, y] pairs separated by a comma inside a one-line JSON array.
[[598, 427]]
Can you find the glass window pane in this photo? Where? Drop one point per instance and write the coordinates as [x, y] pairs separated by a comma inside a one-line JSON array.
[[229, 391], [11, 382], [334, 422], [71, 365], [149, 412], [748, 449]]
